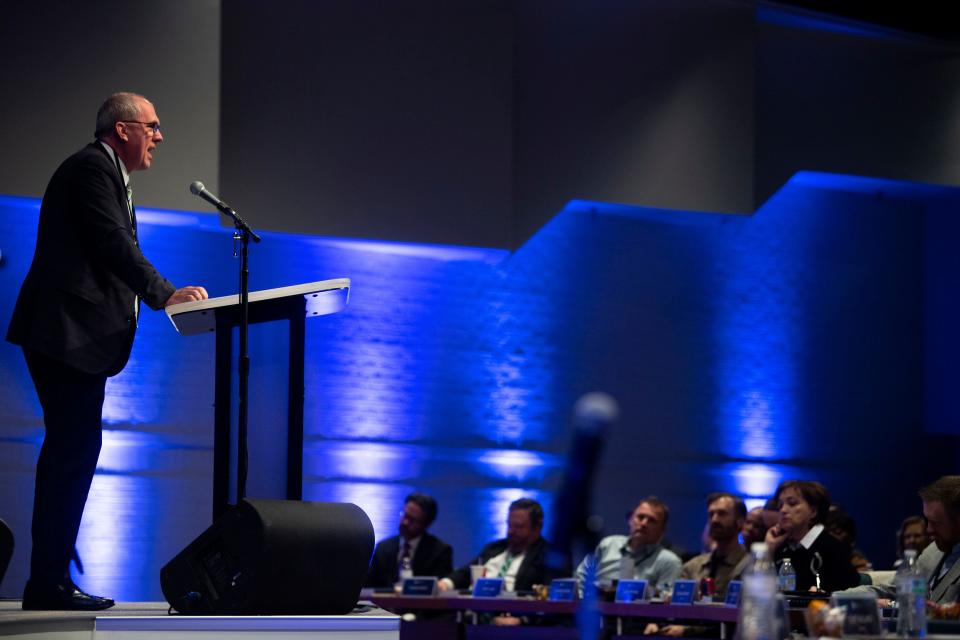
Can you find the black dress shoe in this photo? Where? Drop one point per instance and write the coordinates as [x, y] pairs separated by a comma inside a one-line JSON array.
[[65, 596]]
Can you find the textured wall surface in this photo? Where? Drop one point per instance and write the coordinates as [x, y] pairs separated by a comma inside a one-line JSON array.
[[743, 350]]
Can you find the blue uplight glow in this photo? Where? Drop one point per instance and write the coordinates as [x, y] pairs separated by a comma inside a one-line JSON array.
[[122, 404], [802, 19], [360, 461], [356, 460], [128, 451], [114, 536], [512, 464], [453, 370], [758, 314], [754, 481], [443, 253]]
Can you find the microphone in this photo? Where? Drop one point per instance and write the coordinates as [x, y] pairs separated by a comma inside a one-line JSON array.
[[197, 189], [593, 416]]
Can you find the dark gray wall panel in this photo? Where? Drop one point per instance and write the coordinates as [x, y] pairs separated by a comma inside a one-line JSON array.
[[60, 59], [855, 102], [373, 119], [646, 103]]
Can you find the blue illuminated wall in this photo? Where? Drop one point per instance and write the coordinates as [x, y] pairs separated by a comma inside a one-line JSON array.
[[743, 350]]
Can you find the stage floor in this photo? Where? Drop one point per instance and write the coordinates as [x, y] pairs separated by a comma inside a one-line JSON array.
[[149, 620]]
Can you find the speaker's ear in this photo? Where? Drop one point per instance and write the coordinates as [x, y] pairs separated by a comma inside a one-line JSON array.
[[274, 557]]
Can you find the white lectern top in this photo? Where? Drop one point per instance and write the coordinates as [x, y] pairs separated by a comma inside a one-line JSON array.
[[322, 298]]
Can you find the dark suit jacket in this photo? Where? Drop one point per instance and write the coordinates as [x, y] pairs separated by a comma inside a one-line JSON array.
[[76, 304], [433, 557], [533, 571]]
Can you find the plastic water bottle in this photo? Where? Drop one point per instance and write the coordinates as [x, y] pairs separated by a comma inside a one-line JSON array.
[[759, 614], [911, 597], [787, 576], [406, 569]]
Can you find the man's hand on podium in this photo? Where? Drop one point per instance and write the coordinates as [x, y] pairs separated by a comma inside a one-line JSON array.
[[186, 294]]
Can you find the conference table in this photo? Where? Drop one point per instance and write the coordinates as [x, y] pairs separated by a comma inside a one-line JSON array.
[[458, 616]]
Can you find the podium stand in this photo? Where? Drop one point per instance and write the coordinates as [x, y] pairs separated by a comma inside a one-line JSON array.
[[220, 315]]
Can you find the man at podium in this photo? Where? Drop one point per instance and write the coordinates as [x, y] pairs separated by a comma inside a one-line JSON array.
[[75, 319]]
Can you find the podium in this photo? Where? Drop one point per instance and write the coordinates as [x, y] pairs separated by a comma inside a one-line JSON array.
[[220, 315]]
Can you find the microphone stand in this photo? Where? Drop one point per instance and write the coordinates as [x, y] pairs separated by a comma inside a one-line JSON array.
[[245, 233]]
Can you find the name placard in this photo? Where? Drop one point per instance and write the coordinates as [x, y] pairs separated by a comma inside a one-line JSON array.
[[425, 586], [563, 590], [631, 591], [734, 587], [488, 587], [862, 617], [684, 592]]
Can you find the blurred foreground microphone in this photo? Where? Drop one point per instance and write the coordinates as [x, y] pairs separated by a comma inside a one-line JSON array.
[[593, 415]]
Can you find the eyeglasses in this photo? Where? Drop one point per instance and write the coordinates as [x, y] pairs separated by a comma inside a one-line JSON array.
[[413, 519], [154, 126]]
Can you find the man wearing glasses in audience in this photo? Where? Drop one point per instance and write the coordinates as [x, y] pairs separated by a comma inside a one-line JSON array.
[[427, 554], [75, 319]]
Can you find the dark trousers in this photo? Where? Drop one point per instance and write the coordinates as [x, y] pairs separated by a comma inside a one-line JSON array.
[[72, 403]]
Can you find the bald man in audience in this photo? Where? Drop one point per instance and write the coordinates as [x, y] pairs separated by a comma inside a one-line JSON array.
[[754, 527]]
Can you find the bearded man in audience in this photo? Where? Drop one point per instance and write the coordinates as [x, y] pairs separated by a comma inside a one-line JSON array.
[[726, 514]]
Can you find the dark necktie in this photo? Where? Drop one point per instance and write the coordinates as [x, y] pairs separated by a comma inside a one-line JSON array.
[[714, 565], [935, 577]]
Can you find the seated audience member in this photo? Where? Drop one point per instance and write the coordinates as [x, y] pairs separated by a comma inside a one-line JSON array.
[[911, 535], [941, 508], [754, 527], [520, 558], [429, 555], [726, 514], [860, 561], [801, 536], [641, 551], [771, 511], [843, 527]]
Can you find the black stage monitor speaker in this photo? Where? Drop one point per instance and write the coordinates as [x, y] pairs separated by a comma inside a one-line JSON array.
[[6, 548], [274, 557]]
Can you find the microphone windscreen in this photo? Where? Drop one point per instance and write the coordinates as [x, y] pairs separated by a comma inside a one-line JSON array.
[[196, 188], [594, 411]]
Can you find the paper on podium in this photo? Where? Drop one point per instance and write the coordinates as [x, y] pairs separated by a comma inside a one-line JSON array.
[[322, 298]]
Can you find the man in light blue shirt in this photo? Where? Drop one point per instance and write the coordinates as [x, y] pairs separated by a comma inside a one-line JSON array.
[[639, 556]]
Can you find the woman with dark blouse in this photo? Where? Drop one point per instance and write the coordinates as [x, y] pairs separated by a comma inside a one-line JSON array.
[[800, 536]]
